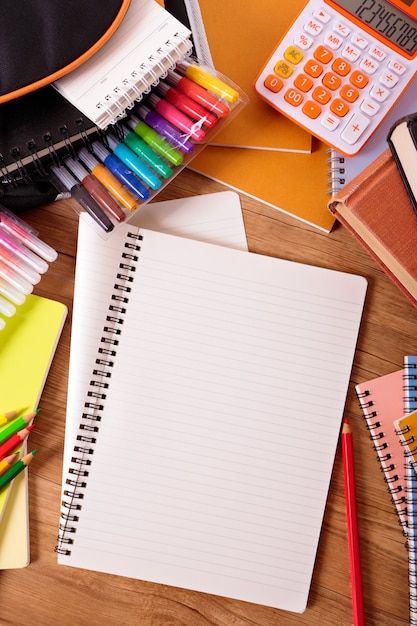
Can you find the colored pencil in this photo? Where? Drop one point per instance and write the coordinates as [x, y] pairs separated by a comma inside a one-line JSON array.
[[16, 425], [7, 462], [352, 525], [15, 469], [8, 417], [14, 441]]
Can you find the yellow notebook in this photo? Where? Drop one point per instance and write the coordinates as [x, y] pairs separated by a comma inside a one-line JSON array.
[[27, 346]]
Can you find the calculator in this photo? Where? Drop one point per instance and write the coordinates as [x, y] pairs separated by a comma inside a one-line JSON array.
[[341, 66]]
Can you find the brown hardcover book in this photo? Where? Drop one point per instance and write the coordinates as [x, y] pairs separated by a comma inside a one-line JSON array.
[[377, 210]]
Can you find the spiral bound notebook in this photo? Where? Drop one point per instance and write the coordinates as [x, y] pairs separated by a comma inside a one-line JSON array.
[[185, 470], [382, 401], [148, 42]]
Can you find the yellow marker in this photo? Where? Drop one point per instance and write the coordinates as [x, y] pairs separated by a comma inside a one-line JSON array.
[[210, 82]]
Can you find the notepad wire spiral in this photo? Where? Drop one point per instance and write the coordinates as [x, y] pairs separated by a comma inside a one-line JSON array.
[[377, 436], [132, 88], [88, 429], [335, 173]]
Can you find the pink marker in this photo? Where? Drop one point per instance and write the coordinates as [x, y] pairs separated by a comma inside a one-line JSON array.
[[178, 119], [187, 105], [14, 246], [14, 226]]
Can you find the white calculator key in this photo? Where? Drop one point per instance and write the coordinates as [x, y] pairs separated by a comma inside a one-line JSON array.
[[321, 15], [355, 128], [342, 29], [368, 65], [303, 41], [350, 53], [379, 93], [370, 107], [330, 122], [397, 67], [313, 28], [359, 41], [388, 79], [377, 53], [333, 41]]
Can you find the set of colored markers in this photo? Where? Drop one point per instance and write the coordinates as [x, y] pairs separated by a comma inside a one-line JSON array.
[[133, 160], [16, 430], [23, 259]]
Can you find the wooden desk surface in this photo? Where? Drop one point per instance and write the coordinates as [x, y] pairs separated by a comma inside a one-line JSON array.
[[46, 594]]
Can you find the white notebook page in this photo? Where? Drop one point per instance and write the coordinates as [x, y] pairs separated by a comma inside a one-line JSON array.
[[221, 419]]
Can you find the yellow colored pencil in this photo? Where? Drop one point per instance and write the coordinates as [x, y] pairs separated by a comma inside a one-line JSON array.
[[7, 462], [7, 417]]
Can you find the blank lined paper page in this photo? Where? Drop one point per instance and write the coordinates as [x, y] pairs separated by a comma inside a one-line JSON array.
[[221, 417]]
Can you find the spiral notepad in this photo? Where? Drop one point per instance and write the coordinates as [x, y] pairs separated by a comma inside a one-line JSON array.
[[186, 468], [382, 401], [148, 42]]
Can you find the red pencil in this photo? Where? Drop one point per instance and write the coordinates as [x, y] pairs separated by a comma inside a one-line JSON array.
[[14, 441], [352, 525]]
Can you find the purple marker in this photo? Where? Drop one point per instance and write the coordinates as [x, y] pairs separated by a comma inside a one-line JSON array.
[[165, 129]]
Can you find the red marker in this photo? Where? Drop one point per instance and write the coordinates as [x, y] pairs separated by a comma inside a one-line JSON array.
[[14, 441], [199, 94], [187, 105], [177, 118]]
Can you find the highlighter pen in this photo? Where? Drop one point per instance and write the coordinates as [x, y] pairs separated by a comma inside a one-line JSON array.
[[11, 244], [11, 293], [155, 141], [177, 118], [15, 279], [129, 158], [208, 81], [145, 152], [198, 94], [6, 307], [113, 184], [20, 267], [81, 195], [186, 105], [16, 227], [96, 189], [119, 169], [166, 130]]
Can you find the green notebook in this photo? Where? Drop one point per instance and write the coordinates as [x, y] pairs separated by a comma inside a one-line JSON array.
[[27, 346]]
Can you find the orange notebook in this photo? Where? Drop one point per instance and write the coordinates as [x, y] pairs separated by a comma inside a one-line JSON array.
[[382, 402], [375, 207]]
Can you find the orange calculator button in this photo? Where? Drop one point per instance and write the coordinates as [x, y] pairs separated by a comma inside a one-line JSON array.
[[349, 93], [341, 67], [311, 109], [359, 79], [303, 82], [322, 54], [283, 69], [339, 108], [273, 83], [293, 55], [293, 97], [331, 81], [312, 68], [321, 95]]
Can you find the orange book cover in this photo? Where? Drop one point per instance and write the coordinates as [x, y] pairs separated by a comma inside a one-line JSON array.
[[375, 207]]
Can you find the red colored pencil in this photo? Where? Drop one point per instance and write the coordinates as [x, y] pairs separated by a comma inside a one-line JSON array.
[[14, 441], [352, 525]]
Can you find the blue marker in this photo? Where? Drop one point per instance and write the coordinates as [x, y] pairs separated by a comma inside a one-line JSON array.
[[119, 169], [129, 158]]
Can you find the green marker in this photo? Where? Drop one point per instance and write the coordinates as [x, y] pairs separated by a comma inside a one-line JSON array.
[[153, 139], [145, 152]]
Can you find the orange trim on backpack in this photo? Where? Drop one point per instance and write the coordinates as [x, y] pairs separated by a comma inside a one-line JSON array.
[[74, 64]]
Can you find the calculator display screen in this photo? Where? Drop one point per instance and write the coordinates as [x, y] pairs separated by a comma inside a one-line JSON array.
[[387, 20]]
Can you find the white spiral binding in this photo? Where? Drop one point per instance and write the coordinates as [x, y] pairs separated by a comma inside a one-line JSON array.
[[335, 172], [141, 80], [77, 480]]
